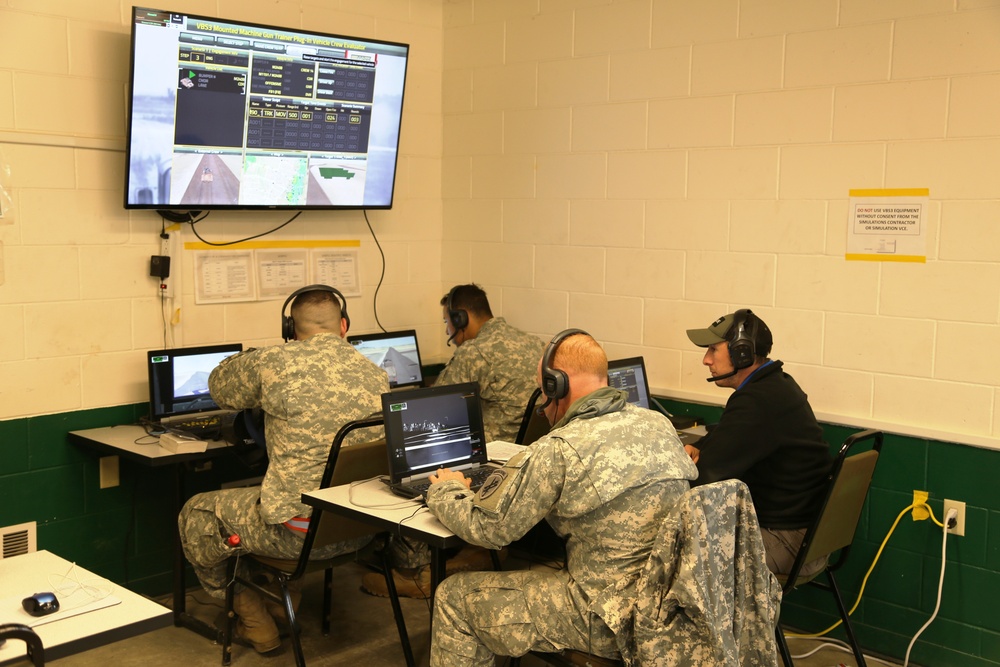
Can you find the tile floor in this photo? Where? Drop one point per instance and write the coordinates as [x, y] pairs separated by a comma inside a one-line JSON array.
[[363, 635]]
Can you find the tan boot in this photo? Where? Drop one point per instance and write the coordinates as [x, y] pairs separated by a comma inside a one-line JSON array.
[[277, 609], [255, 625], [409, 583]]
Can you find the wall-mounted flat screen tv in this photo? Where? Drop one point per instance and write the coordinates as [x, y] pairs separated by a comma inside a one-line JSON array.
[[225, 114]]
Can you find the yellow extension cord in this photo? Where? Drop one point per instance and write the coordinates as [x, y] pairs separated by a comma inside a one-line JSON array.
[[864, 581]]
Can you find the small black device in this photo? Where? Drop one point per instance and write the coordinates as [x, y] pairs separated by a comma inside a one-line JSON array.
[[40, 604], [288, 324], [159, 266]]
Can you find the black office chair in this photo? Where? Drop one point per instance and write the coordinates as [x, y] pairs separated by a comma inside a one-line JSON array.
[[36, 653], [833, 529], [533, 425], [344, 465]]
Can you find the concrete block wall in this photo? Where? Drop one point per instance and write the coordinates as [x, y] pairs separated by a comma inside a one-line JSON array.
[[642, 167], [77, 306]]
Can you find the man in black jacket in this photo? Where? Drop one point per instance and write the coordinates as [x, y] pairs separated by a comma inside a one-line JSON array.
[[767, 437]]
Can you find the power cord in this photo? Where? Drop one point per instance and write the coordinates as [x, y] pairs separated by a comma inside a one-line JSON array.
[[193, 221], [949, 523], [381, 276]]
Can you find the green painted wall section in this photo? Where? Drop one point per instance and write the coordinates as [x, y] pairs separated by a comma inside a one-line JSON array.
[[125, 533]]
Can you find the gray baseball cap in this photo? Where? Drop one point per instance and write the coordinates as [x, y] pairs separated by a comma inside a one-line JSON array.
[[720, 331]]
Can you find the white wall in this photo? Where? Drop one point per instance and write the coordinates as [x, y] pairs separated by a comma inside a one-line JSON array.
[[77, 306], [633, 168], [639, 168]]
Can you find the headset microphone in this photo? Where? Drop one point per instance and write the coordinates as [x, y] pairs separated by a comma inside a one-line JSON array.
[[722, 377]]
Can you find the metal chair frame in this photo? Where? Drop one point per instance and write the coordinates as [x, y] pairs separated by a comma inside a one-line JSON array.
[[323, 529], [833, 530]]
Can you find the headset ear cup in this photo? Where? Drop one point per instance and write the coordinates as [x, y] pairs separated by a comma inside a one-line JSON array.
[[741, 354], [742, 350]]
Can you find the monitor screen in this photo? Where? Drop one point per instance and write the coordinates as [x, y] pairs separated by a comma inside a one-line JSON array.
[[225, 114], [440, 426], [395, 352], [178, 378], [630, 375]]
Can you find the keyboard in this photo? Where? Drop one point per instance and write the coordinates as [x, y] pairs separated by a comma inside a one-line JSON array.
[[203, 428], [415, 489]]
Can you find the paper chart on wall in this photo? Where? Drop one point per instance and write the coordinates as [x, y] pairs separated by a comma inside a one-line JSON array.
[[888, 225], [223, 276]]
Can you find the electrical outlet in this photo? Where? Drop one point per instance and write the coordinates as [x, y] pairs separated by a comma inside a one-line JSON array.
[[959, 506], [167, 284], [109, 471]]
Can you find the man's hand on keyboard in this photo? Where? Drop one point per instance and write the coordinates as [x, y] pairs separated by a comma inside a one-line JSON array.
[[444, 474]]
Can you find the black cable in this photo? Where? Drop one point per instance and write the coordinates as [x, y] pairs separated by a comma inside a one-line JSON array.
[[382, 276], [249, 238]]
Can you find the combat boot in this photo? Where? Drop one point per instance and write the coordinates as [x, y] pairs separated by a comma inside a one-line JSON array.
[[255, 625]]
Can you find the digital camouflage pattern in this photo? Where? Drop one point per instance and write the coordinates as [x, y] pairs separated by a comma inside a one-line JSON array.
[[208, 518], [504, 361], [604, 478], [706, 597], [308, 390]]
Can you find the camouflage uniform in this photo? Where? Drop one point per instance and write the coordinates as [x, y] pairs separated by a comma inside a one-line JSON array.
[[307, 389], [504, 361], [705, 597], [604, 478]]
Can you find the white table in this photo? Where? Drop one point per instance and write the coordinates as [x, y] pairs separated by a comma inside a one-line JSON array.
[[100, 614], [373, 503], [131, 442]]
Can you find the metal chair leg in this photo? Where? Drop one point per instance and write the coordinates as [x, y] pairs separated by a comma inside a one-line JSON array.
[[845, 616]]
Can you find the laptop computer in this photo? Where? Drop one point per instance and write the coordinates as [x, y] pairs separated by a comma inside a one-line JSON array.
[[178, 388], [630, 375], [396, 352], [431, 428]]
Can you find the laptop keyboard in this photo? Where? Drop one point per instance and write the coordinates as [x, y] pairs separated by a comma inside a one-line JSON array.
[[478, 477], [201, 427]]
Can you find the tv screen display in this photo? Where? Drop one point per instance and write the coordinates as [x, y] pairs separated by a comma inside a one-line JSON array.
[[225, 114]]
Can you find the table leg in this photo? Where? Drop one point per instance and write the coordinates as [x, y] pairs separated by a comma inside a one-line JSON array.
[[182, 619]]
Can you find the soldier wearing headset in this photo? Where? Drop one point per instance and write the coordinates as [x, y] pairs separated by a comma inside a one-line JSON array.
[[768, 436], [604, 478]]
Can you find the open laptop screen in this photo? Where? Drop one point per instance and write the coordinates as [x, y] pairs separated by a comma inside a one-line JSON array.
[[433, 427], [630, 375], [396, 352], [178, 379]]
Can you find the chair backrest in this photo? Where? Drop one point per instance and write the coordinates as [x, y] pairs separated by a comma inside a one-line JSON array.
[[343, 466], [836, 522], [533, 425]]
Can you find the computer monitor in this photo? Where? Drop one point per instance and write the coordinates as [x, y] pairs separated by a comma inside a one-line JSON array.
[[396, 352], [630, 375], [178, 379], [433, 427]]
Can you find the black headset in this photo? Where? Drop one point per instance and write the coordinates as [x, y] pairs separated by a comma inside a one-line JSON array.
[[288, 324], [555, 382], [742, 347], [459, 317]]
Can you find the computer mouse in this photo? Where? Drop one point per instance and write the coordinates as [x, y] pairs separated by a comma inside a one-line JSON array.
[[40, 604]]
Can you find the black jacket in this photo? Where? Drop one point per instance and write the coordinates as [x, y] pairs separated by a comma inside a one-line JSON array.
[[769, 438]]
